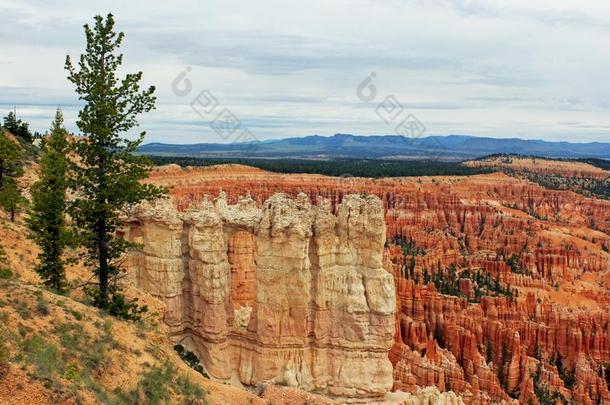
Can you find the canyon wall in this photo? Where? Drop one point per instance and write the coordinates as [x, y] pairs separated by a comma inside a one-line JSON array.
[[283, 291], [502, 285]]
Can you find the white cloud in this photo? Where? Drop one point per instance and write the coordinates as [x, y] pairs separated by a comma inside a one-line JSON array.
[[495, 68]]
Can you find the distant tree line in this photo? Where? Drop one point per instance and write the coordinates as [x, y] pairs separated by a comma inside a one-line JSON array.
[[338, 167]]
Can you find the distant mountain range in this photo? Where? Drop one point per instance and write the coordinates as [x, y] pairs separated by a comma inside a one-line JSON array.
[[450, 147]]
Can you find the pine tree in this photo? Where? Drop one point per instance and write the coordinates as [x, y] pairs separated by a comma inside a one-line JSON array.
[[18, 127], [11, 198], [107, 175], [47, 220], [10, 168], [10, 156]]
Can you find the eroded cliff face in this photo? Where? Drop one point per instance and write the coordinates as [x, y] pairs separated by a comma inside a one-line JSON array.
[[549, 338], [286, 291]]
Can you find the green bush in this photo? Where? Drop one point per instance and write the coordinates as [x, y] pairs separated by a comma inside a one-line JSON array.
[[4, 356], [23, 310], [154, 385], [44, 356], [71, 372], [157, 386], [5, 272], [190, 359], [42, 306]]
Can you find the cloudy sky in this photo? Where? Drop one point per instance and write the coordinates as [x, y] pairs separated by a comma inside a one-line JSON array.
[[531, 69]]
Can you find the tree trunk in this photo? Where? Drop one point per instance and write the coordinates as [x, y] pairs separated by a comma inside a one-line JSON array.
[[102, 246], [12, 214]]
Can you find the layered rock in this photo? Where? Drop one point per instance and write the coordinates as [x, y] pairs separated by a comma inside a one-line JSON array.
[[549, 246], [286, 292]]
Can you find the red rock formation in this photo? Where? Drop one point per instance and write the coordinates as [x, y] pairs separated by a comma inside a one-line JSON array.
[[241, 253], [498, 347]]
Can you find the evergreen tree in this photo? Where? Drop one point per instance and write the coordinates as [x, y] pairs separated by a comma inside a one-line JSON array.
[[10, 168], [47, 220], [18, 127], [10, 157], [10, 197], [107, 175]]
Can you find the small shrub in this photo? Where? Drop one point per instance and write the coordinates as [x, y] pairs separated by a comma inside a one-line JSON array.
[[157, 386], [71, 336], [71, 373], [5, 273], [190, 359], [119, 305], [77, 315], [4, 356], [42, 306], [44, 356], [23, 310], [23, 330], [154, 387], [189, 390]]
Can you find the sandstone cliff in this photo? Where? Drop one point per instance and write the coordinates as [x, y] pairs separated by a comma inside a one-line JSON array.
[[548, 247], [285, 292]]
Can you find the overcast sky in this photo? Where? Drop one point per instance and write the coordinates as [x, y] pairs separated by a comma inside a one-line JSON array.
[[530, 69]]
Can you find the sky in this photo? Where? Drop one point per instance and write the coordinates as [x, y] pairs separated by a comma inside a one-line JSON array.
[[278, 69]]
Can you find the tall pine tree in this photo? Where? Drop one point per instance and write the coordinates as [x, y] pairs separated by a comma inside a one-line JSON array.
[[18, 127], [10, 168], [107, 175], [10, 158], [47, 220], [11, 198]]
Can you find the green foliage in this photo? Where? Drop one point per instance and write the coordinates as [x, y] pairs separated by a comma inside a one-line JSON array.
[[601, 163], [446, 282], [5, 272], [106, 175], [537, 352], [158, 384], [47, 219], [23, 310], [408, 246], [44, 356], [4, 357], [123, 308], [71, 373], [543, 393], [516, 265], [439, 335], [92, 352], [18, 127], [489, 352], [10, 168], [42, 306], [409, 251], [568, 376], [190, 359], [188, 389], [338, 167], [10, 158], [606, 374], [502, 375], [154, 385], [11, 198]]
